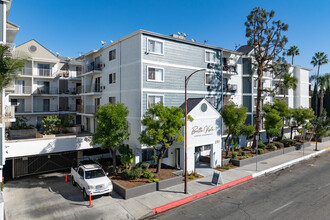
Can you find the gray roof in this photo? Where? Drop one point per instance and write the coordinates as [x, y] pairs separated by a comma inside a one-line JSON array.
[[191, 104], [246, 49]]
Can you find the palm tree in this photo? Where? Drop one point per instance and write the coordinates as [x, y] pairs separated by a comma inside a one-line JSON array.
[[324, 83], [319, 59], [10, 65], [293, 51], [289, 82]]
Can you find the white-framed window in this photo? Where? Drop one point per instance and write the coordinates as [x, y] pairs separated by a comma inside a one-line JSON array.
[[155, 46], [155, 74], [154, 99], [209, 56], [210, 79], [112, 78], [112, 54]]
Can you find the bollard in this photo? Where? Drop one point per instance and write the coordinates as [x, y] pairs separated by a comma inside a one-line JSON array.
[[90, 198], [67, 178]]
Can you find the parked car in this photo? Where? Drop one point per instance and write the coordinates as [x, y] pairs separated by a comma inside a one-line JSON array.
[[91, 178]]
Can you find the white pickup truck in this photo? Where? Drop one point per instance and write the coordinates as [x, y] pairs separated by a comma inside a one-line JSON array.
[[90, 178]]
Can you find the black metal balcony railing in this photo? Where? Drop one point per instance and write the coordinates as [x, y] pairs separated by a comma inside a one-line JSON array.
[[92, 88], [230, 88], [68, 108], [229, 68], [93, 67], [45, 90], [71, 91], [22, 108]]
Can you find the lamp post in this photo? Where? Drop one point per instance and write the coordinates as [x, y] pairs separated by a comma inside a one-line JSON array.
[[185, 129]]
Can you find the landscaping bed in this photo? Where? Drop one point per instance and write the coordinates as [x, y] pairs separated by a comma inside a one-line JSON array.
[[237, 158]]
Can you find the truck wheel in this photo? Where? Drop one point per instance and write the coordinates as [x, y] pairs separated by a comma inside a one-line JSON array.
[[74, 183], [86, 197]]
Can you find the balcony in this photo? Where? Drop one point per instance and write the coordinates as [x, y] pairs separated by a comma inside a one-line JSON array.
[[22, 108], [22, 89], [68, 108], [92, 88], [90, 109], [93, 67], [232, 88], [70, 91], [45, 108], [44, 72], [27, 71], [281, 91], [45, 91], [229, 69]]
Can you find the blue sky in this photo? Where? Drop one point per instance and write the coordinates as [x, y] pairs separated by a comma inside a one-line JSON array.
[[73, 26]]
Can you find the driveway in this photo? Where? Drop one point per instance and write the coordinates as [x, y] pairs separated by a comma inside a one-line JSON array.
[[47, 196]]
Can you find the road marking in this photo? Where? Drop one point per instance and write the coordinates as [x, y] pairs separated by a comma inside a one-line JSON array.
[[281, 207]]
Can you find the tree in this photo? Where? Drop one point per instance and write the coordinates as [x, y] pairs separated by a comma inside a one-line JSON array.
[[51, 124], [320, 127], [323, 84], [126, 156], [273, 120], [234, 119], [10, 65], [265, 36], [111, 130], [301, 117], [163, 126], [289, 82], [284, 112], [319, 59], [293, 51]]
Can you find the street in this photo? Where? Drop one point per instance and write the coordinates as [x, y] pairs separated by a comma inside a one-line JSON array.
[[299, 192]]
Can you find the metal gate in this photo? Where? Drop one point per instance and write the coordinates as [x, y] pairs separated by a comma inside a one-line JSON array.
[[41, 164]]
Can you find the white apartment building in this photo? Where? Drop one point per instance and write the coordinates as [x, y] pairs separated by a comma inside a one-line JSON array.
[[145, 67]]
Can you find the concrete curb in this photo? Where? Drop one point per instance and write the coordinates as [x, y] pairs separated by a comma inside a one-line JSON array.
[[233, 183]]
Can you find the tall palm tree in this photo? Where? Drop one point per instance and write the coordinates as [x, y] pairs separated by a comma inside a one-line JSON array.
[[293, 51], [324, 84], [10, 65], [289, 82], [319, 59]]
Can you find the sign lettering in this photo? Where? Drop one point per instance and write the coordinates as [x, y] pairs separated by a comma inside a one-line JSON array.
[[202, 131]]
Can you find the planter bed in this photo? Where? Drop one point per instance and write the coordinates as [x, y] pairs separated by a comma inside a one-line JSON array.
[[268, 155], [133, 188]]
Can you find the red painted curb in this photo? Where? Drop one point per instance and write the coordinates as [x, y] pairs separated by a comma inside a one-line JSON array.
[[199, 195]]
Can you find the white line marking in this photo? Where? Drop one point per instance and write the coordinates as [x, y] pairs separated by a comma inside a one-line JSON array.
[[281, 207]]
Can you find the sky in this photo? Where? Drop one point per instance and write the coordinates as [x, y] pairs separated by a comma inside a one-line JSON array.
[[71, 27]]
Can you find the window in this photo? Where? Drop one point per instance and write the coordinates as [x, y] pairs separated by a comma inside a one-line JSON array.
[[209, 56], [155, 74], [155, 46], [209, 79], [112, 100], [112, 54], [224, 61], [112, 78], [154, 99], [147, 154]]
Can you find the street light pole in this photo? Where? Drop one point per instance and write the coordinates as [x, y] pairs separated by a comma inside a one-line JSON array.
[[185, 129]]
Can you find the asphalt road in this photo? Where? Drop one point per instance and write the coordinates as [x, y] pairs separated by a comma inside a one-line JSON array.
[[299, 192]]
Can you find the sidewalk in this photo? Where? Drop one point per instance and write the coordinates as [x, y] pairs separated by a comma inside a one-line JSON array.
[[151, 203]]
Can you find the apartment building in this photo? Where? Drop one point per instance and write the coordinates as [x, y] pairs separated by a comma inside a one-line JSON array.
[[47, 85], [145, 68]]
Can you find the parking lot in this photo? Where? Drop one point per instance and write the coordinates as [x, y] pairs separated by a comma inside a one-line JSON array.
[[48, 196]]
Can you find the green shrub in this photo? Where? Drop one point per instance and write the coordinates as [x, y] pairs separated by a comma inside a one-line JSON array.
[[279, 144], [260, 151], [144, 165], [1, 186], [148, 174], [191, 177], [132, 174], [274, 147], [243, 153], [234, 155], [288, 142], [270, 145], [261, 145]]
